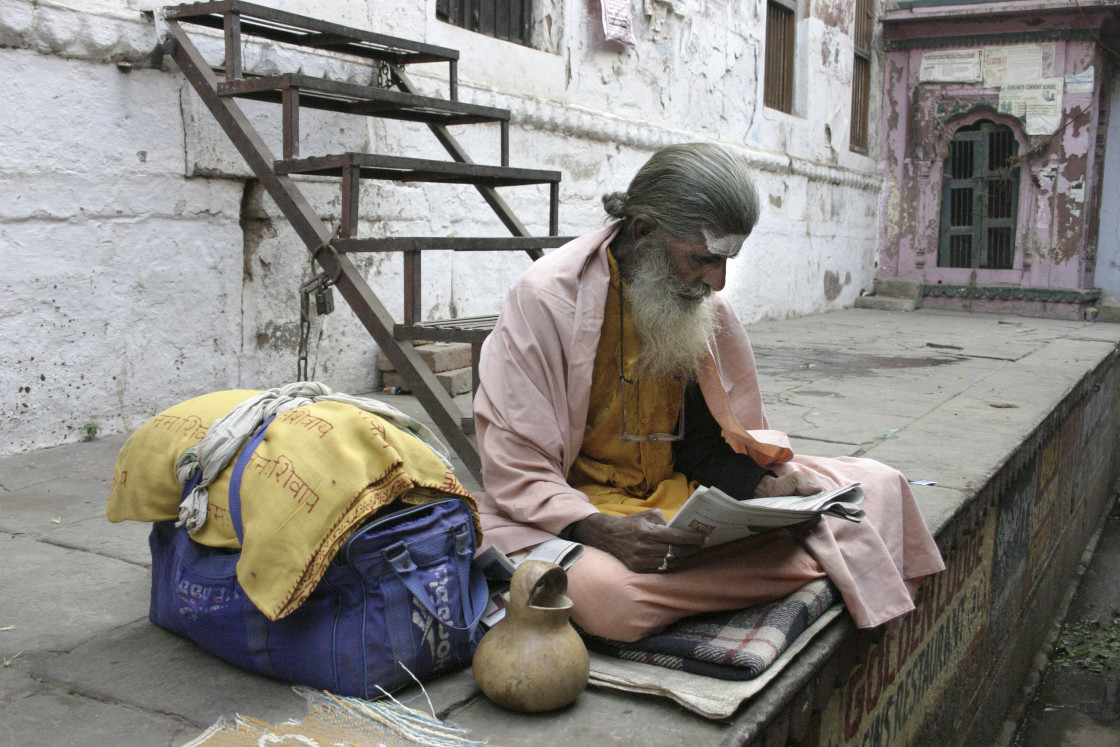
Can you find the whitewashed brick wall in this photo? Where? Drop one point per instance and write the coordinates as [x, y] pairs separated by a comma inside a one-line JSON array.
[[140, 265]]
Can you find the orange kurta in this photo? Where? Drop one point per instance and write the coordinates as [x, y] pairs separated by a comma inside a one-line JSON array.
[[625, 477]]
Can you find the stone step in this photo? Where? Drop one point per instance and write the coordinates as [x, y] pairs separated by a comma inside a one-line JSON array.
[[439, 357], [886, 303], [455, 382]]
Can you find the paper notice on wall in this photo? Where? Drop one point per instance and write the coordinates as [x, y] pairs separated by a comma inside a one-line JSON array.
[[1076, 191], [1018, 63], [1080, 82], [617, 21], [1038, 104], [958, 66]]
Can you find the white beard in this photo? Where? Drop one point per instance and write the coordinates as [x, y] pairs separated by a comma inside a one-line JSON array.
[[675, 321]]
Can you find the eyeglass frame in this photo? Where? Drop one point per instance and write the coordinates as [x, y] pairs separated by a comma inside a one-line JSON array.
[[624, 436]]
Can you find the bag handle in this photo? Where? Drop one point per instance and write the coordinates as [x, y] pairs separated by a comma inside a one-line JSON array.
[[235, 479], [470, 579]]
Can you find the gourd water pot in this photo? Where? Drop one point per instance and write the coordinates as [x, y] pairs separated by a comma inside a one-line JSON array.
[[533, 660]]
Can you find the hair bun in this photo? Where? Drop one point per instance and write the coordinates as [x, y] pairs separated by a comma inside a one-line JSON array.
[[615, 204]]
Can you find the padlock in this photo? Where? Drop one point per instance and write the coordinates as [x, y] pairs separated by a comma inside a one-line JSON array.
[[324, 297]]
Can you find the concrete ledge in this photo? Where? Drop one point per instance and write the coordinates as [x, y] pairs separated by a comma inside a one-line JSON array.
[[1024, 474], [1016, 420]]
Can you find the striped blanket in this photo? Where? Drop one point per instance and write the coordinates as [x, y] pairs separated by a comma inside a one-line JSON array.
[[734, 645]]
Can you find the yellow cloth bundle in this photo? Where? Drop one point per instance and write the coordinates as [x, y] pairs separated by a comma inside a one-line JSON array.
[[320, 472]]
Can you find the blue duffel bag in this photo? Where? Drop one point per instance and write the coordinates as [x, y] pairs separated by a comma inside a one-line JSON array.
[[401, 599]]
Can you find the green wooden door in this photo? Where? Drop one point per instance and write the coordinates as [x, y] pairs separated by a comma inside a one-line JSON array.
[[979, 199]]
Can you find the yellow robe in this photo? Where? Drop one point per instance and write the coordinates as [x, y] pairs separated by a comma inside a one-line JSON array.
[[625, 477]]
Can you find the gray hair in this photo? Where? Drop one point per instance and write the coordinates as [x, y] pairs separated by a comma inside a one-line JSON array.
[[689, 187]]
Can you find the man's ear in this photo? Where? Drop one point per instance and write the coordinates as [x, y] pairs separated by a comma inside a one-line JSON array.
[[643, 226]]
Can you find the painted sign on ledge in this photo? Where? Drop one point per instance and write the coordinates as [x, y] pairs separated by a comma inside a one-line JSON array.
[[904, 675]]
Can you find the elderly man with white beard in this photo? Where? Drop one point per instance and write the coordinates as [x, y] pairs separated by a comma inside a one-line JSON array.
[[617, 378]]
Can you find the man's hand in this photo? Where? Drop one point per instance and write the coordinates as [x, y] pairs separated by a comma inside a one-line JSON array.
[[793, 483], [641, 541]]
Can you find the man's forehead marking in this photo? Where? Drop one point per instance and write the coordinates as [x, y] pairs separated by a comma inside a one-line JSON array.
[[725, 246]]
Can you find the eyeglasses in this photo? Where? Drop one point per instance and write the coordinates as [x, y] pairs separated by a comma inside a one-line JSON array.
[[623, 381]]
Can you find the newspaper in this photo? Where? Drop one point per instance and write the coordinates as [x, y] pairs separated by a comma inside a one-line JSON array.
[[723, 519], [498, 569]]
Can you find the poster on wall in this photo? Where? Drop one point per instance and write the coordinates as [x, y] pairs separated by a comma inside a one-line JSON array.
[[1080, 82], [617, 21], [1018, 63], [957, 66], [1038, 104]]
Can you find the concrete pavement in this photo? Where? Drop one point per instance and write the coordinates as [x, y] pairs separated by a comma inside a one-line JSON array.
[[942, 396], [1077, 702]]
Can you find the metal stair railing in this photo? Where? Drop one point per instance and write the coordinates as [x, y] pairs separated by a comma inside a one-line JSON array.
[[292, 91]]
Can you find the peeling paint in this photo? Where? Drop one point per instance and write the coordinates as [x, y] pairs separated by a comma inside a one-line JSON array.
[[834, 13], [1058, 194], [892, 221], [1073, 170], [1077, 191]]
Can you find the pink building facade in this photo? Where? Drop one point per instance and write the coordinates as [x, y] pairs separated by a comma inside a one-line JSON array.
[[994, 134]]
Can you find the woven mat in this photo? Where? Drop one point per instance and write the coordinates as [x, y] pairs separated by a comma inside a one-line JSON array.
[[732, 645], [334, 720], [705, 696]]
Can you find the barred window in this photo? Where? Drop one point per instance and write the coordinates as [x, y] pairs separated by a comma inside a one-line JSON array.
[[781, 21], [980, 198], [861, 76], [502, 19]]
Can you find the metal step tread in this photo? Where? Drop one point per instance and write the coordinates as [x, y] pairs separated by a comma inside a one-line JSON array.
[[400, 168], [291, 28], [353, 98], [466, 329], [449, 243]]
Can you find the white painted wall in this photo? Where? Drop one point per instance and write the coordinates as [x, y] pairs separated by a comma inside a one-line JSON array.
[[140, 266]]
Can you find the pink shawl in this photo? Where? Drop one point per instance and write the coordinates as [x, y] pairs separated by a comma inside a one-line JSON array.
[[531, 409]]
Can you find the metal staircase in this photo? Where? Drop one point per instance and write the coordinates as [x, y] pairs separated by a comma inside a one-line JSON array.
[[401, 101]]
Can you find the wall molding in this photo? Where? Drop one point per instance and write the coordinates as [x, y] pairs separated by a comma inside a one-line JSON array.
[[599, 126], [1011, 293], [986, 40]]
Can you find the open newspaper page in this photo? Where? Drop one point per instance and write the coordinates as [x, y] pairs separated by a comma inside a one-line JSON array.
[[723, 519], [498, 569]]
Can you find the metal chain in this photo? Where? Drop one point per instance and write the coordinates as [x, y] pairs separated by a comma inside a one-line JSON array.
[[382, 75], [320, 285], [305, 292]]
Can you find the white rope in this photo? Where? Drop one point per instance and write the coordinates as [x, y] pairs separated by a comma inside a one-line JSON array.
[[228, 434], [418, 727]]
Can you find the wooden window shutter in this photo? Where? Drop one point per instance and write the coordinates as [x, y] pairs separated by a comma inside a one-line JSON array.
[[777, 87], [508, 20], [861, 76], [980, 199]]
